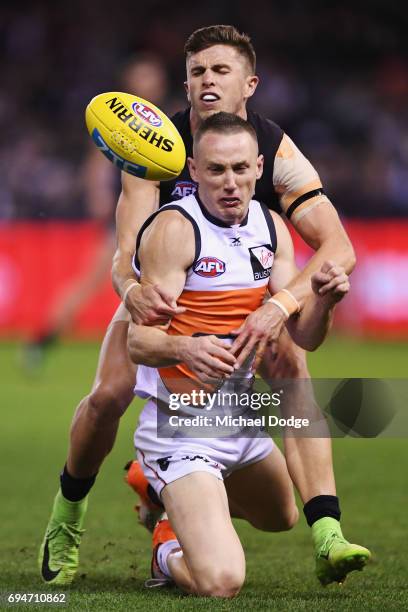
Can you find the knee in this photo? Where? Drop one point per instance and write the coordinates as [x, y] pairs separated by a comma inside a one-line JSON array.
[[225, 583], [293, 363], [285, 521], [109, 400], [288, 519], [289, 362]]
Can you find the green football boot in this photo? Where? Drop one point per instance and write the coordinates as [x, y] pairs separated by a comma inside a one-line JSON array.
[[335, 556], [59, 553]]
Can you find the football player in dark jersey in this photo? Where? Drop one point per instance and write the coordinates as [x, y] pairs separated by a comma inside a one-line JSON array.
[[220, 77]]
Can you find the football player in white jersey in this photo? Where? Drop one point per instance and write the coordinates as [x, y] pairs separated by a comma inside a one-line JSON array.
[[220, 66], [203, 555]]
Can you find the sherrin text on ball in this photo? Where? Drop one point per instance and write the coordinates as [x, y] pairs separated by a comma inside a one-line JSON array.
[[136, 136]]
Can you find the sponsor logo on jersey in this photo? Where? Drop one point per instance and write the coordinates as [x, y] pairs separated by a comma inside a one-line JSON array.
[[147, 113], [116, 159], [261, 261], [183, 189], [209, 267], [236, 241]]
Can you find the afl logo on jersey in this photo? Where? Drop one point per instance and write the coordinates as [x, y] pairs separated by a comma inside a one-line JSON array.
[[183, 189], [147, 114], [209, 267]]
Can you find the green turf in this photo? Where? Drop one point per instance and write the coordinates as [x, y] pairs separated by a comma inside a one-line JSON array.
[[115, 554]]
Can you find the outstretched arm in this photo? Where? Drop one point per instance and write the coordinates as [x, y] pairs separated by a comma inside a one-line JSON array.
[[322, 229], [329, 285], [326, 287], [316, 220], [308, 328], [311, 214]]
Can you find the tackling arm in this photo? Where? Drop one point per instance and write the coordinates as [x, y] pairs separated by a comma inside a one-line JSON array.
[[149, 305], [139, 199], [322, 229], [312, 215], [163, 261], [329, 284]]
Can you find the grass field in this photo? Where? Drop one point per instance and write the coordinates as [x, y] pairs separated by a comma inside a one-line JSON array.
[[115, 555]]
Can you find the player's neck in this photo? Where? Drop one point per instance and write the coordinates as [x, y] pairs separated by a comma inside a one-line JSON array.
[[195, 119]]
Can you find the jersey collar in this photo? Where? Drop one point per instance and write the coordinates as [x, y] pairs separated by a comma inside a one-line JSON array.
[[215, 220]]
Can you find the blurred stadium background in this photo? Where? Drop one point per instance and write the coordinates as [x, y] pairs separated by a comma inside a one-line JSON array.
[[335, 77]]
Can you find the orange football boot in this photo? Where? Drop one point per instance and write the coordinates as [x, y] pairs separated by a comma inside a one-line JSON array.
[[149, 512], [162, 533]]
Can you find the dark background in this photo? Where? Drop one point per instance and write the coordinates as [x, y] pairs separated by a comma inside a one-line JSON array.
[[334, 75]]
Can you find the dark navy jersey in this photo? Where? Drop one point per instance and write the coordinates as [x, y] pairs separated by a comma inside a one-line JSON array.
[[269, 138]]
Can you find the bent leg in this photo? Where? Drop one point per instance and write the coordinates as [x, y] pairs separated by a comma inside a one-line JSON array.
[[96, 420], [309, 459], [213, 562], [93, 433], [262, 493]]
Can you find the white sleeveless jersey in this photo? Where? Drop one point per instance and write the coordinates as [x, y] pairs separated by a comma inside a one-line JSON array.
[[225, 283]]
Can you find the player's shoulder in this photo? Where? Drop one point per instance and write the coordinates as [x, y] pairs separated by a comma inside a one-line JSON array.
[[263, 124], [169, 223], [273, 219], [179, 212], [259, 205], [185, 203], [181, 119]]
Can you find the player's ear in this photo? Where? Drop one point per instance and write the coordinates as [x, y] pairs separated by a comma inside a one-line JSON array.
[[259, 166], [192, 168], [251, 83], [187, 89]]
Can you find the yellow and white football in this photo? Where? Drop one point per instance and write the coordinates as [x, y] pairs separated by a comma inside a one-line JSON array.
[[136, 136]]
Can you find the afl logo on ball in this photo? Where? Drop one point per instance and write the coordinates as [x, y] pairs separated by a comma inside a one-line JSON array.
[[209, 267], [147, 114]]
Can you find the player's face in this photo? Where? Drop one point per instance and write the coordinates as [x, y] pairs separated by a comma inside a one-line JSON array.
[[219, 79], [226, 168]]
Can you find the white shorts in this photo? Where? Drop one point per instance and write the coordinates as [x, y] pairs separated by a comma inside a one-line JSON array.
[[164, 460]]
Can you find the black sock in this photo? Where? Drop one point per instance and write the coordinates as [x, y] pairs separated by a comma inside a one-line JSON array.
[[320, 506], [46, 339], [154, 497], [75, 489]]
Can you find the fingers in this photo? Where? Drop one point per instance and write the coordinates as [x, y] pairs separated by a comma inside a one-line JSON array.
[[163, 309], [246, 351], [327, 265], [150, 320], [208, 372], [224, 355], [165, 296], [153, 307], [239, 340], [217, 365], [217, 355], [207, 377], [320, 278], [259, 355], [335, 283], [330, 278], [170, 301]]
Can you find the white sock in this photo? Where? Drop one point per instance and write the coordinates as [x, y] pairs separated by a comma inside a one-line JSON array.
[[163, 554]]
